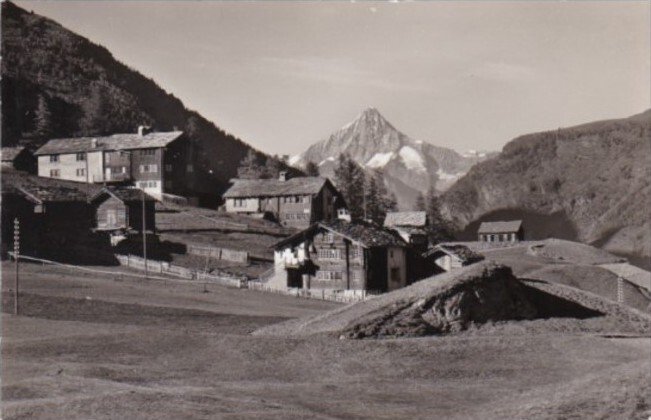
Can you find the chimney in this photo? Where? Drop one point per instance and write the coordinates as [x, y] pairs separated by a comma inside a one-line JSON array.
[[282, 176], [143, 130]]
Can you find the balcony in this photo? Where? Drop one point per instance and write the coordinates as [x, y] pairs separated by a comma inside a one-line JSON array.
[[118, 177]]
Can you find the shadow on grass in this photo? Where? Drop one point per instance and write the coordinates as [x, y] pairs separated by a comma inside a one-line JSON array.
[[551, 306]]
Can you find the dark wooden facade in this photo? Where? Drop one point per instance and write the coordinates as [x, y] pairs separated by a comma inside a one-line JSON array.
[[115, 213], [325, 259]]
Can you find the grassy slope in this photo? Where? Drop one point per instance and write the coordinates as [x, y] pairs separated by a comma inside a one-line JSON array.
[[90, 359], [595, 176]]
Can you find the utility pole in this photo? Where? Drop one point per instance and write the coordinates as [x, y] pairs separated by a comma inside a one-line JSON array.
[[16, 255], [144, 233]]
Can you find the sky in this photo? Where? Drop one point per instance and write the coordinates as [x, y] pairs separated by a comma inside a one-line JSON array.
[[464, 75]]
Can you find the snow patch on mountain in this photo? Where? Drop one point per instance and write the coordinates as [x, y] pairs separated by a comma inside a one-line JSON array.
[[412, 159], [379, 160], [294, 160], [444, 176], [326, 160]]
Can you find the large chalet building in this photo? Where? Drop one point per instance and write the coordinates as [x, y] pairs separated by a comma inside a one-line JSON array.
[[294, 202], [156, 162], [341, 256]]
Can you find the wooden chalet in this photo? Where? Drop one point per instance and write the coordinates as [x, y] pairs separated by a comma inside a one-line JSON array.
[[502, 231], [120, 210], [296, 202], [156, 162], [341, 256]]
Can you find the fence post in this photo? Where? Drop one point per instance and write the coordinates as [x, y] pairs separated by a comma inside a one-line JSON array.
[[16, 258]]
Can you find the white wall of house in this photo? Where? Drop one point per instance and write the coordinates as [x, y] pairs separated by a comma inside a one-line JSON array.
[[153, 187], [396, 264], [69, 168], [95, 165], [243, 205]]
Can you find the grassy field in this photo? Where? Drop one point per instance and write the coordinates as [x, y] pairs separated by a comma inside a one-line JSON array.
[[90, 346]]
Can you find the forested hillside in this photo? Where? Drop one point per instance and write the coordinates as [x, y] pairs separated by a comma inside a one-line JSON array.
[[56, 83], [595, 179]]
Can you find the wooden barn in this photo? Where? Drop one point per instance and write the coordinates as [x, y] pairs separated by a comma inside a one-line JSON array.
[[120, 210], [448, 257], [296, 202], [502, 231], [55, 218], [340, 256]]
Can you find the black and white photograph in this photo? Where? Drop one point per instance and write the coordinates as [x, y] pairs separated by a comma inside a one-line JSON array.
[[394, 209]]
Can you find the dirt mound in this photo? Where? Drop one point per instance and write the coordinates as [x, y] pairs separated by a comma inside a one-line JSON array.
[[449, 302], [483, 294], [572, 252]]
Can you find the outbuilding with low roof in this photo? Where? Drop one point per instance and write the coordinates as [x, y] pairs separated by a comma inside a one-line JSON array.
[[501, 231]]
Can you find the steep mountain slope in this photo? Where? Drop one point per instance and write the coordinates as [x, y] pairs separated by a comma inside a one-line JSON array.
[[88, 92], [410, 166], [597, 177]]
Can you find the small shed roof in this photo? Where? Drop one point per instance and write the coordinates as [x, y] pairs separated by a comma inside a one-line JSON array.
[[244, 188], [366, 234], [461, 252], [125, 141], [11, 153], [126, 195], [406, 218], [510, 226]]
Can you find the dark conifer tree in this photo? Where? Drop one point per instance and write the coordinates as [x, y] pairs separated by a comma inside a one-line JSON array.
[[312, 169], [43, 128]]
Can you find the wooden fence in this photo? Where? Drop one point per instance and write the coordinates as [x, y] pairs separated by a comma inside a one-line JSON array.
[[344, 296], [219, 253], [163, 267]]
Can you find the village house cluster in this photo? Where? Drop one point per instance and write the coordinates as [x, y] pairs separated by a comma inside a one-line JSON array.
[[91, 193]]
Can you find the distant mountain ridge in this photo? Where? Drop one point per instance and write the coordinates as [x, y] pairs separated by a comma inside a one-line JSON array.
[[410, 166], [596, 177], [42, 59]]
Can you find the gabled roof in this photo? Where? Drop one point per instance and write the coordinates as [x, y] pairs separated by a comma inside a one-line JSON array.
[[461, 252], [244, 188], [406, 218], [126, 195], [11, 153], [43, 190], [500, 227], [125, 141], [365, 234]]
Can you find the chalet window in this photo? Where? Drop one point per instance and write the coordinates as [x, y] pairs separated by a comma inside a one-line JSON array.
[[238, 202], [356, 252], [329, 275], [81, 172], [329, 237], [395, 274], [81, 156], [168, 168], [148, 168], [55, 173], [107, 158], [54, 158], [124, 169], [147, 152], [329, 254]]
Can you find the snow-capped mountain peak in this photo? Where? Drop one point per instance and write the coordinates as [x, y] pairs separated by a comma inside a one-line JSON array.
[[409, 166]]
